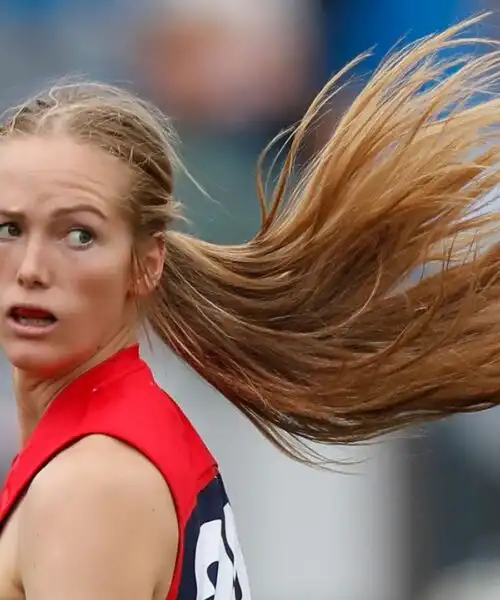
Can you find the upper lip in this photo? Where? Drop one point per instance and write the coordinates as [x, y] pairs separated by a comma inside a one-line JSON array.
[[33, 307]]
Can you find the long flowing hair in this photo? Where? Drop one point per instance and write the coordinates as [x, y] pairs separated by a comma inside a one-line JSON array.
[[369, 299]]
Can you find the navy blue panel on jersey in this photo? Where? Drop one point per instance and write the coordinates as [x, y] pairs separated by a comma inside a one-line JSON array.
[[213, 566]]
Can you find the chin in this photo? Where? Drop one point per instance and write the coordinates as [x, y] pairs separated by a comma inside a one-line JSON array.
[[38, 360], [35, 366]]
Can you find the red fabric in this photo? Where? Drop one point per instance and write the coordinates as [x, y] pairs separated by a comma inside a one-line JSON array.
[[119, 398]]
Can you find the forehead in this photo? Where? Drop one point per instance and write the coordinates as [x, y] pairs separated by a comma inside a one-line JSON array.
[[35, 172]]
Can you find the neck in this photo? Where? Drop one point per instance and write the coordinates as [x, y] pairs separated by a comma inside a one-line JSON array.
[[34, 394]]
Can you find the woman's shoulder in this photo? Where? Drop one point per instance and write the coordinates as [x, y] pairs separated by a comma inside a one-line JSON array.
[[100, 498], [98, 461]]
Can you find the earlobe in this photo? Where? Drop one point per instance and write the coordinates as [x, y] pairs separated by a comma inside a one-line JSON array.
[[154, 278], [148, 267], [145, 282], [157, 262]]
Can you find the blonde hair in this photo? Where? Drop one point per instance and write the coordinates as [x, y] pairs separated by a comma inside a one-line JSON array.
[[318, 327]]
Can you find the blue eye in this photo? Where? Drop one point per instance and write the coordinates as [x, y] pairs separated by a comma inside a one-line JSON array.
[[80, 237], [9, 230]]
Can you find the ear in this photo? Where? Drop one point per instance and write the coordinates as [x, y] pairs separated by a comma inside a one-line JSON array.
[[150, 261]]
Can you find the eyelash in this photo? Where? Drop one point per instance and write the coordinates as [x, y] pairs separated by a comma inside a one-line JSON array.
[[6, 225], [86, 230]]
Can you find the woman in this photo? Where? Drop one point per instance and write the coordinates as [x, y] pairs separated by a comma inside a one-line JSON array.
[[309, 328]]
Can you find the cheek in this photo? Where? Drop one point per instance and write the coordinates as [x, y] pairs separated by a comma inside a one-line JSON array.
[[10, 258], [102, 286]]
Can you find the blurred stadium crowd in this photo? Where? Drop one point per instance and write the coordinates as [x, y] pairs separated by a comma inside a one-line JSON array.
[[231, 74]]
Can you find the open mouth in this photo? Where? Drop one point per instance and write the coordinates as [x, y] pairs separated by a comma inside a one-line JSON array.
[[31, 317]]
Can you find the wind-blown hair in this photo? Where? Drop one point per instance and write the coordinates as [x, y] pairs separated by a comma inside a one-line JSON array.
[[322, 327]]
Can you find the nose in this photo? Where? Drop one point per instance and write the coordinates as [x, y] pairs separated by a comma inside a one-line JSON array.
[[33, 270]]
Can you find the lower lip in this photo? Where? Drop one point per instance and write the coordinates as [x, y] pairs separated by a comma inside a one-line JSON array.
[[31, 330]]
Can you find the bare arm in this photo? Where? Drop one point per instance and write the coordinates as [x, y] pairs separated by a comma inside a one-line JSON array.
[[98, 523]]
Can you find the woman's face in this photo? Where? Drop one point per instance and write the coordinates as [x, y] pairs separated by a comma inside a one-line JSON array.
[[65, 253]]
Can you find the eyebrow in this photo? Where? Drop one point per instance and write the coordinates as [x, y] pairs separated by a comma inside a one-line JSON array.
[[60, 212]]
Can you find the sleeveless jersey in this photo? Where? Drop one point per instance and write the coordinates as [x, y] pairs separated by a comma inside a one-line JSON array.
[[119, 398]]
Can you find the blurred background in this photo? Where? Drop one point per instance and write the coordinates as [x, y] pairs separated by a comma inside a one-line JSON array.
[[416, 517]]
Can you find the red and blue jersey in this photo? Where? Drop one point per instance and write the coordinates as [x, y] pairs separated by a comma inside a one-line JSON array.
[[120, 398]]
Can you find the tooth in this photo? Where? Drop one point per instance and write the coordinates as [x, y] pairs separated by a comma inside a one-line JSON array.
[[33, 321]]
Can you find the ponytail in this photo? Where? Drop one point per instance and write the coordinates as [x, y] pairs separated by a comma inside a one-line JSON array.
[[327, 325]]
